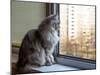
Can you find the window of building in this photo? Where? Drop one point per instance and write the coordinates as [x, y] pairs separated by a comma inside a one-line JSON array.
[[77, 31]]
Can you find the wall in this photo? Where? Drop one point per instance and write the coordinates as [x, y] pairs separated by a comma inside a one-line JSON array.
[[25, 16]]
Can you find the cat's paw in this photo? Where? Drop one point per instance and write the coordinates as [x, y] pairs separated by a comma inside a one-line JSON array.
[[49, 63], [52, 59], [54, 62]]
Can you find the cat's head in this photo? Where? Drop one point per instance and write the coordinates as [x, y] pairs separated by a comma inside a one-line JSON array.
[[51, 21]]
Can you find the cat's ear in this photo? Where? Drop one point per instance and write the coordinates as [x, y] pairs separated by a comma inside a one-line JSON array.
[[52, 16], [55, 17], [45, 21]]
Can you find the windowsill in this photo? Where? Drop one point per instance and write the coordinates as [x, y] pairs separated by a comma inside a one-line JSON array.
[[55, 68], [63, 64], [76, 63], [67, 64]]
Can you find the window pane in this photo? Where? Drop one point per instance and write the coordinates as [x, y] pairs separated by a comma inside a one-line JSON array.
[[77, 31]]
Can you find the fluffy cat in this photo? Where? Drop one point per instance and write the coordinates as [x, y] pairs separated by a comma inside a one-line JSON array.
[[38, 45]]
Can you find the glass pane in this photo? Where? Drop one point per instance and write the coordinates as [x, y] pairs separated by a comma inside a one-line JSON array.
[[77, 31]]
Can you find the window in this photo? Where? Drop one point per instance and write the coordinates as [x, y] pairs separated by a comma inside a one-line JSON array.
[[77, 34], [77, 31]]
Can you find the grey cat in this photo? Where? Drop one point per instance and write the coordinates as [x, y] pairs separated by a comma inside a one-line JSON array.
[[38, 45]]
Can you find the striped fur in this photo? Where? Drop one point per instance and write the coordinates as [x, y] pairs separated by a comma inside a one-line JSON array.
[[38, 45]]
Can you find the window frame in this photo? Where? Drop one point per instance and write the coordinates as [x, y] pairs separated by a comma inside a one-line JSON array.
[[81, 63]]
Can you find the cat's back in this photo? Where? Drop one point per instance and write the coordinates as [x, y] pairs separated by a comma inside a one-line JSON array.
[[33, 34], [26, 46]]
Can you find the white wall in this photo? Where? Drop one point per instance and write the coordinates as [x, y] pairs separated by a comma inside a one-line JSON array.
[[25, 16]]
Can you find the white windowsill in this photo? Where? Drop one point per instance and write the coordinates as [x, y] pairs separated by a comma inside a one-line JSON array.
[[55, 68], [63, 64]]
